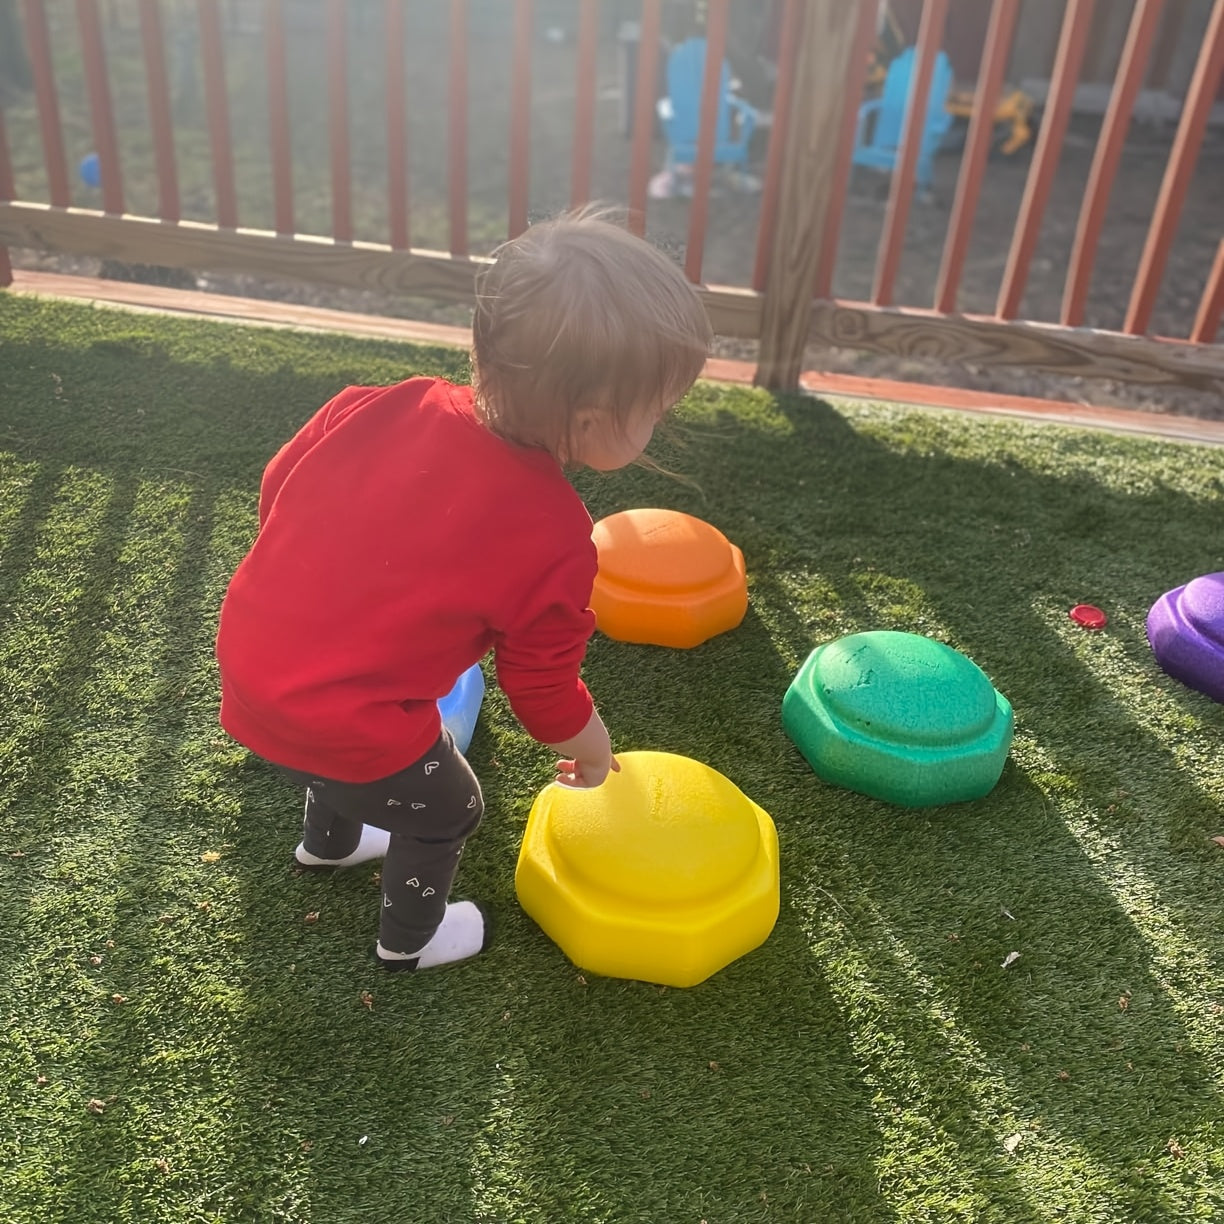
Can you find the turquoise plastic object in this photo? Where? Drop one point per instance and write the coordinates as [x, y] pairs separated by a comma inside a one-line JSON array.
[[899, 717], [682, 118], [882, 150], [461, 706]]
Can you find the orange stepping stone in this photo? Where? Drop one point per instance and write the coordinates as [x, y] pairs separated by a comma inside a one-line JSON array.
[[666, 579]]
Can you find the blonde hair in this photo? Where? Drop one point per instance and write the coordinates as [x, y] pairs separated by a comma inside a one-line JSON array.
[[577, 313]]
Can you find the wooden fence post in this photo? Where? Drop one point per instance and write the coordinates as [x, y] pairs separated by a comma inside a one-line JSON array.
[[826, 35]]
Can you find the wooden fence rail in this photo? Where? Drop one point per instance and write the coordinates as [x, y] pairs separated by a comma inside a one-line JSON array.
[[788, 302]]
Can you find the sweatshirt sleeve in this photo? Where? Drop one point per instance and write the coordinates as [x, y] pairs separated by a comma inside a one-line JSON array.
[[539, 652]]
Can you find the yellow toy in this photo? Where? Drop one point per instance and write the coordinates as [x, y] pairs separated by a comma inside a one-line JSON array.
[[666, 579], [1012, 112], [666, 873]]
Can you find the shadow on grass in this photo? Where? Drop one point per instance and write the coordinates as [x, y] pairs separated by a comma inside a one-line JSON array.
[[1089, 954]]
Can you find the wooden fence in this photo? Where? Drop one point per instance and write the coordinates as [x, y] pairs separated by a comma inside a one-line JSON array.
[[788, 301]]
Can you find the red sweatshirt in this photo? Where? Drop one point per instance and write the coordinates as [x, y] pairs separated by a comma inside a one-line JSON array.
[[399, 540]]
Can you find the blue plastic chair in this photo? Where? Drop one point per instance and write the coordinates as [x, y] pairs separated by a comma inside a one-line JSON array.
[[880, 152], [680, 111], [461, 706]]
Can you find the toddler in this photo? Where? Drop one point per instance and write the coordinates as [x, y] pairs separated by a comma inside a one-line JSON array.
[[405, 531]]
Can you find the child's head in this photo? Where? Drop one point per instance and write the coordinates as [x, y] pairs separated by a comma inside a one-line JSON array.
[[584, 338]]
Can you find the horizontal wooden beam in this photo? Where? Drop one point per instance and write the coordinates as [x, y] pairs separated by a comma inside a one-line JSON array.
[[1046, 348], [355, 265], [923, 334]]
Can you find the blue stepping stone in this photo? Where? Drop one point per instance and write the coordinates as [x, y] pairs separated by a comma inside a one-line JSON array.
[[461, 706]]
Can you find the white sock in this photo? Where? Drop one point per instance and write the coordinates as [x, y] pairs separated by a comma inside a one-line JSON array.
[[460, 935], [373, 845]]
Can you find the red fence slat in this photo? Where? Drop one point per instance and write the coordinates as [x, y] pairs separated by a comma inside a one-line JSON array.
[[1212, 307], [856, 77], [338, 121], [457, 127], [101, 114], [584, 103], [1195, 109], [397, 135], [153, 45], [644, 114], [520, 117], [8, 185], [278, 115], [1166, 45], [1054, 120], [218, 113], [786, 52], [977, 149], [930, 33], [1112, 140], [703, 171], [39, 45], [8, 191]]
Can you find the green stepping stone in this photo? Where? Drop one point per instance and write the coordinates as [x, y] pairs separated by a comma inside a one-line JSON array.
[[899, 717]]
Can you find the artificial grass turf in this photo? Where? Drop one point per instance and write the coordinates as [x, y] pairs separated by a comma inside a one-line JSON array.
[[183, 1043]]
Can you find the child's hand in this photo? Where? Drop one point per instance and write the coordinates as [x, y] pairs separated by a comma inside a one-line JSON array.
[[587, 758], [586, 774]]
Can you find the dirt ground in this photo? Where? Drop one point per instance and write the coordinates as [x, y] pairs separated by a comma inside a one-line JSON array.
[[731, 241]]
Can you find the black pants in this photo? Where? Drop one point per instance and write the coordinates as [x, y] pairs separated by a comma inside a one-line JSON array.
[[430, 809]]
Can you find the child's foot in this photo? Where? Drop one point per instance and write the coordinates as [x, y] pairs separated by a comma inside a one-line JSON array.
[[373, 845], [463, 933]]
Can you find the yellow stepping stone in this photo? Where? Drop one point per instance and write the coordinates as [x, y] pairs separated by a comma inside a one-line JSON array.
[[666, 873]]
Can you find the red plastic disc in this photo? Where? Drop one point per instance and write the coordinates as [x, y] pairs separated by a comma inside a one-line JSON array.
[[1088, 615]]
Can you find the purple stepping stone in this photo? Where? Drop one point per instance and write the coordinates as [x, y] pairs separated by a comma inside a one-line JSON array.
[[1186, 630]]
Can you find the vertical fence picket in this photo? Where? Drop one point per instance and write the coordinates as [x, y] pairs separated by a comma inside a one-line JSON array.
[[101, 113], [1176, 183], [218, 113], [584, 107], [703, 170], [520, 117], [47, 97], [338, 121], [1207, 324], [644, 114], [1108, 155], [782, 102], [8, 185], [930, 33], [1054, 120], [8, 191], [1167, 43], [278, 115], [856, 78], [153, 46], [397, 137], [977, 150], [457, 127]]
